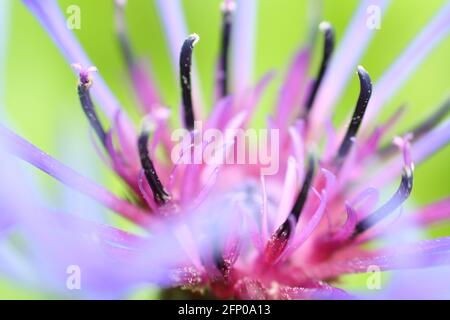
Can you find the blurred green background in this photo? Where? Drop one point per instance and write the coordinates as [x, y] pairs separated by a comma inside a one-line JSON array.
[[43, 105]]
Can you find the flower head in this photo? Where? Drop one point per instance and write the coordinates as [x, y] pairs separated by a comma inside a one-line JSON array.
[[224, 227]]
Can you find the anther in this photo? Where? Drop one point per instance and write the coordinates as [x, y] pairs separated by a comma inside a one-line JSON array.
[[185, 79], [228, 8], [422, 128], [159, 193], [122, 32], [397, 199], [281, 236], [303, 195], [84, 95], [358, 114], [329, 39]]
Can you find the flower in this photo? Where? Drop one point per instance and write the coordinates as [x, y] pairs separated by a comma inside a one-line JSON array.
[[225, 228]]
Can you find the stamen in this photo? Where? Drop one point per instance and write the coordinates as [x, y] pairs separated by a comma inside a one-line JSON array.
[[278, 242], [301, 199], [84, 84], [279, 239], [421, 129], [358, 114], [328, 48], [397, 199], [122, 32], [185, 78], [228, 8], [159, 193], [221, 264]]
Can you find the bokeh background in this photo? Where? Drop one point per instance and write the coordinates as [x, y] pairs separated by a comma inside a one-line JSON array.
[[41, 103]]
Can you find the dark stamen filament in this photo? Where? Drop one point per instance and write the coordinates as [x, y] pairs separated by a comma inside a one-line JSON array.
[[278, 242], [302, 196], [185, 78], [301, 199], [421, 129], [327, 52], [227, 19], [281, 236], [361, 106], [121, 29], [220, 262], [159, 193], [88, 108], [397, 199]]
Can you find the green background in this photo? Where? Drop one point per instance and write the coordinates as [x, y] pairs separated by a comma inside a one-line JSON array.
[[41, 87]]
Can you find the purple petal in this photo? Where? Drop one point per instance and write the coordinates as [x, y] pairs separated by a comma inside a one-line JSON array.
[[54, 242], [432, 142], [294, 86], [51, 18], [144, 87], [421, 150], [172, 18], [302, 235], [29, 153], [219, 113], [389, 84], [427, 284], [423, 254], [323, 292], [243, 37], [4, 33], [343, 63], [253, 95], [433, 213]]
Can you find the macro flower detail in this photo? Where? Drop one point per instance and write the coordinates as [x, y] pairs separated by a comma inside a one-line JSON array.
[[225, 229]]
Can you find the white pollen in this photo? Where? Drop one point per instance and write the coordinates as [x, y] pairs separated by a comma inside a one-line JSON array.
[[196, 38], [121, 3], [361, 69], [228, 6], [324, 26]]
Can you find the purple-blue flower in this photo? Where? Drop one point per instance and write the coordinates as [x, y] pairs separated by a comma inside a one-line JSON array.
[[227, 229]]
